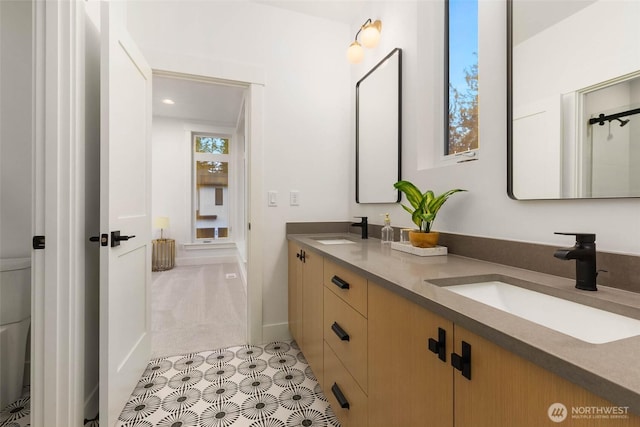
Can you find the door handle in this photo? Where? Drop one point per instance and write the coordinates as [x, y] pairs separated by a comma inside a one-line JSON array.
[[116, 238], [103, 239]]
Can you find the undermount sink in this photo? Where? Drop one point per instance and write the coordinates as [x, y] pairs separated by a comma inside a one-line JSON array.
[[580, 321], [336, 241]]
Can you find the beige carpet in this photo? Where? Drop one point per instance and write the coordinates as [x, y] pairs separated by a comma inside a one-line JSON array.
[[197, 308]]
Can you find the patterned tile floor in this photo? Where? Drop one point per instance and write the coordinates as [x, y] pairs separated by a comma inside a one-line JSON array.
[[18, 413], [244, 386]]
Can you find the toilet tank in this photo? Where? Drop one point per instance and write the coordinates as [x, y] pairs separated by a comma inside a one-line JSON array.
[[15, 289]]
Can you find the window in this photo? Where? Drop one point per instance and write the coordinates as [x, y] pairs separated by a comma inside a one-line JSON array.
[[461, 74], [211, 162]]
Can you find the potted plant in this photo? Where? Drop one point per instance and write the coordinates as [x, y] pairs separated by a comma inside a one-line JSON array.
[[423, 210]]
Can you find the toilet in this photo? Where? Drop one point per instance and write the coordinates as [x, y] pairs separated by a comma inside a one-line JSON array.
[[15, 318]]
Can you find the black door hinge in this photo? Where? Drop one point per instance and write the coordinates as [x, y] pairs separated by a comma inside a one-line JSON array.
[[38, 242]]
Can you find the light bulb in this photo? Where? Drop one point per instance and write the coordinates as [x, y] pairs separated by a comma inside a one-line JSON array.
[[370, 34], [355, 53]]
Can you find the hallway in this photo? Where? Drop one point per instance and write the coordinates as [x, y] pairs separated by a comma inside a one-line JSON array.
[[197, 308]]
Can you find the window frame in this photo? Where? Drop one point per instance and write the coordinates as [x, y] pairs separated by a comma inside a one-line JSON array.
[[463, 156], [211, 157]]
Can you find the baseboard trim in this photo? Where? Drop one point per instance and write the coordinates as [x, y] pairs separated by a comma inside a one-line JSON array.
[[275, 332], [204, 260]]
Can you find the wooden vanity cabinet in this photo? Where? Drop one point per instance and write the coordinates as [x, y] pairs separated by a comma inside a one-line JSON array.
[[294, 293], [408, 384], [391, 371], [305, 305], [346, 343], [508, 390]]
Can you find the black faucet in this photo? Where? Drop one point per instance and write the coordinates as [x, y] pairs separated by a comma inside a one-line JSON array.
[[364, 224], [584, 252]]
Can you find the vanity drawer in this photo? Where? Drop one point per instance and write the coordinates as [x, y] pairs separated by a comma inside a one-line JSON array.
[[347, 285], [339, 384], [345, 330]]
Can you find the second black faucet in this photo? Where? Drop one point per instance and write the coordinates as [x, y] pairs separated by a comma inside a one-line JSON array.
[[584, 252], [364, 224]]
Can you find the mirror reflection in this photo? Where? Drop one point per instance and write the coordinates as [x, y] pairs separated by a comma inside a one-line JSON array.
[[378, 118], [574, 99]]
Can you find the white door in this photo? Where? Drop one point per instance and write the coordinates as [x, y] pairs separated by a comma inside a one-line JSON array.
[[125, 206]]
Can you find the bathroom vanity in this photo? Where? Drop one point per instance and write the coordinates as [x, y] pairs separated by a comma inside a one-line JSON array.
[[392, 346]]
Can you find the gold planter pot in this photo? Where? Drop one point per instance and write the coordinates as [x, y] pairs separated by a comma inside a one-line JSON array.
[[424, 240]]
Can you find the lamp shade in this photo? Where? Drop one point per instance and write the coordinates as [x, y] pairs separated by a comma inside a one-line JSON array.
[[161, 222], [370, 35], [355, 53]]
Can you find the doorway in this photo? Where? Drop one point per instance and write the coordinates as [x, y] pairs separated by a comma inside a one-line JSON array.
[[199, 194]]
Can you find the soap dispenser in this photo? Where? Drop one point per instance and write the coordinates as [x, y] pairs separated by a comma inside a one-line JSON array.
[[386, 236]]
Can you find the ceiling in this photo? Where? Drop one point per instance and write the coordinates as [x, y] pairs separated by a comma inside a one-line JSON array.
[[345, 11], [197, 100], [530, 17], [220, 104]]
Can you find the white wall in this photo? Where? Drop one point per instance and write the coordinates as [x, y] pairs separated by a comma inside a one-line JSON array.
[[307, 106], [171, 166], [309, 116], [485, 210], [15, 129]]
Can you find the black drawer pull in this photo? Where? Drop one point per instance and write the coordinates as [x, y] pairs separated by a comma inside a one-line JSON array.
[[339, 282], [339, 332], [439, 347], [342, 401], [463, 363]]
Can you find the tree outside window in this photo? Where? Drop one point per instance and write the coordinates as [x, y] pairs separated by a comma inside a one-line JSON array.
[[462, 76]]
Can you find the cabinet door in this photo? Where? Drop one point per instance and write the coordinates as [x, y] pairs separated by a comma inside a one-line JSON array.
[[312, 312], [408, 384], [295, 293], [506, 390]]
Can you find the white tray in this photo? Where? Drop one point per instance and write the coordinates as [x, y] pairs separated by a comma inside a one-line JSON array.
[[408, 248]]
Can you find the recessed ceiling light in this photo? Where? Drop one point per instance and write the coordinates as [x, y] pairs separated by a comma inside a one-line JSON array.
[[168, 101]]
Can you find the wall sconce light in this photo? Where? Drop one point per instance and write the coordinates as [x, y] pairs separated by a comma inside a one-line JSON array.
[[370, 37]]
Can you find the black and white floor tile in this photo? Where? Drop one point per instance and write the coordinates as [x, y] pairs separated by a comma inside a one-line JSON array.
[[244, 386], [18, 413]]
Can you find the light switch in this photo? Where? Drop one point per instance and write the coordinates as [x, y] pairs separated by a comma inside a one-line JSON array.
[[272, 197], [294, 198]]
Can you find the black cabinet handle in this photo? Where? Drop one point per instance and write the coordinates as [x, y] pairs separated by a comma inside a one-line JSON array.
[[342, 401], [463, 363], [339, 332], [439, 347], [339, 282]]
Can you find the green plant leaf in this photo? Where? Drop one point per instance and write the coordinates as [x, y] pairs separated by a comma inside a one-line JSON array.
[[411, 192], [425, 205]]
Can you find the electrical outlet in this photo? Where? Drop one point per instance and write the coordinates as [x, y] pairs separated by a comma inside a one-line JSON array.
[[294, 198]]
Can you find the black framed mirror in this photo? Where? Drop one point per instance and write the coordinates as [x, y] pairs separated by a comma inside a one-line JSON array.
[[378, 131], [573, 107]]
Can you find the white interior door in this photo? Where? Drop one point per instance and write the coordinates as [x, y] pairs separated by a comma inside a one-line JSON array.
[[125, 206]]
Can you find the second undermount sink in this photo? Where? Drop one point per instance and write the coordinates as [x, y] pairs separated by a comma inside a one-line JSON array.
[[580, 321], [335, 241]]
